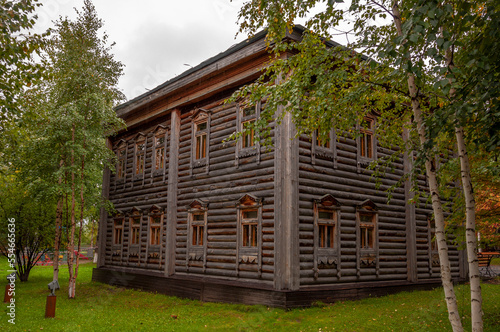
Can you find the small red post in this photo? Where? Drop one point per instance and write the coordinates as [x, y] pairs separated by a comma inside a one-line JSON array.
[[7, 296], [50, 308]]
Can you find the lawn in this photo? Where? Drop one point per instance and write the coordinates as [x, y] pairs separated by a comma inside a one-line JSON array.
[[100, 307]]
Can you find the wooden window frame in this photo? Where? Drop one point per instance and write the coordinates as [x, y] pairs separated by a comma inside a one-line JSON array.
[[121, 150], [367, 231], [140, 155], [250, 228], [155, 229], [160, 146], [120, 165], [324, 152], [199, 117], [242, 149], [196, 254], [135, 229], [363, 161], [367, 256], [251, 255], [328, 256], [118, 229]]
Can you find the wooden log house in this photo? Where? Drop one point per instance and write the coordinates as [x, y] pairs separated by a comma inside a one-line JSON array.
[[204, 218]]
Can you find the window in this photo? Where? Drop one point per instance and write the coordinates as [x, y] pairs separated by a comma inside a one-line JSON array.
[[155, 230], [249, 224], [159, 152], [196, 246], [135, 230], [326, 229], [201, 140], [326, 254], [248, 146], [197, 229], [118, 232], [319, 142], [367, 237], [249, 233], [248, 137], [366, 142], [140, 149], [367, 230], [120, 168]]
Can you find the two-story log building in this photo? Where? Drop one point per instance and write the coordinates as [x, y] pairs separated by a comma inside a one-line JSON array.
[[201, 217]]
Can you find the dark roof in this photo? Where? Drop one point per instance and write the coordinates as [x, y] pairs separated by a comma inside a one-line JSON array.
[[234, 48], [230, 50]]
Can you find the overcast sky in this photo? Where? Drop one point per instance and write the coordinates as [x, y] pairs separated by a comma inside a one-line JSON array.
[[156, 38]]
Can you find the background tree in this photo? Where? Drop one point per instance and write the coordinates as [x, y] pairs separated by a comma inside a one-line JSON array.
[[17, 47], [76, 115], [83, 93], [33, 216]]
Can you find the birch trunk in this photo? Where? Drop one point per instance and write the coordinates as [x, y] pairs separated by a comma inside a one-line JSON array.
[[451, 301], [57, 241], [470, 217], [470, 234], [71, 239]]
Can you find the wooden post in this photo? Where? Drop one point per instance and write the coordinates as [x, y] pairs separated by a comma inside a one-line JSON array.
[[173, 170], [286, 206], [50, 306], [103, 216], [410, 217], [7, 296]]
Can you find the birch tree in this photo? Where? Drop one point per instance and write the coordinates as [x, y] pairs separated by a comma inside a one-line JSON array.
[[79, 116]]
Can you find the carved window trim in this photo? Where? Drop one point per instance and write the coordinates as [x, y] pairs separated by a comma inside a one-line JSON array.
[[117, 223], [329, 152], [367, 256], [156, 236], [196, 253], [121, 157], [135, 222], [140, 148], [366, 141], [200, 155], [246, 115], [134, 250], [160, 140], [118, 231], [155, 229], [324, 256], [249, 254]]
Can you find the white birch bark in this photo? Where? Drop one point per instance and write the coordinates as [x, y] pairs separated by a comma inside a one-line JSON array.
[[470, 219], [451, 301]]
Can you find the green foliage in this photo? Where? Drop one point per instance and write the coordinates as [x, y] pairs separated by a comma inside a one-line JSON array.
[[323, 85], [74, 111], [101, 307], [17, 47], [31, 216]]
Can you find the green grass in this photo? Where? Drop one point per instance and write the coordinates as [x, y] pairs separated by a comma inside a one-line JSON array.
[[495, 261], [100, 307]]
